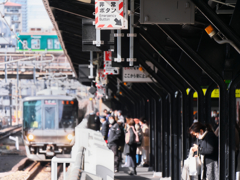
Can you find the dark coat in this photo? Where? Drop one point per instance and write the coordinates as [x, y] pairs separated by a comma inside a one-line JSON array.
[[104, 130], [208, 146], [114, 135]]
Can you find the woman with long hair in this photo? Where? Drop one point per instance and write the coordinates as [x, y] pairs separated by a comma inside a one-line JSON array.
[[131, 139], [208, 147]]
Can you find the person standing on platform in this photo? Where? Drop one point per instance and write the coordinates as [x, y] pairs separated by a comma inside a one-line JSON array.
[[97, 121], [104, 128], [114, 136], [208, 147], [131, 139], [139, 144], [121, 140], [120, 116], [145, 143]]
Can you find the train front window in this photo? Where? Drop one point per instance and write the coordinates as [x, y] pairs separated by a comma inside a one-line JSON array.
[[67, 114], [32, 114]]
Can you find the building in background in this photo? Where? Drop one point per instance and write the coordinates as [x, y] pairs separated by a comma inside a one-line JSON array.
[[38, 18], [13, 11], [12, 14], [24, 13]]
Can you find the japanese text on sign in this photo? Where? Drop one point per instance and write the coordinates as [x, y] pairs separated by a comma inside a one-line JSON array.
[[132, 74], [110, 14]]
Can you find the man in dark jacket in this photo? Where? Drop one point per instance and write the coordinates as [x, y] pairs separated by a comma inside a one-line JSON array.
[[114, 136], [104, 128], [97, 121]]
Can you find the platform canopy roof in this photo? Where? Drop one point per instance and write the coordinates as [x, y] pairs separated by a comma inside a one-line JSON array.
[[67, 16]]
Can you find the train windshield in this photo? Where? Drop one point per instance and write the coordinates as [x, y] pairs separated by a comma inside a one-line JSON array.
[[32, 114], [67, 114]]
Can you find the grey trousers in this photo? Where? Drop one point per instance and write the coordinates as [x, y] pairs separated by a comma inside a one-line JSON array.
[[212, 171]]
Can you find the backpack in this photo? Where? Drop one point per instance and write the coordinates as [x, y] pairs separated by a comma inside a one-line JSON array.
[[131, 137]]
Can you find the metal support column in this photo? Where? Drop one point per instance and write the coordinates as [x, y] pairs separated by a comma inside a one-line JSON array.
[[180, 133], [5, 69], [159, 139], [208, 101], [174, 138], [17, 93], [153, 133], [34, 72], [223, 156], [190, 118], [232, 123], [91, 66], [131, 43], [10, 99]]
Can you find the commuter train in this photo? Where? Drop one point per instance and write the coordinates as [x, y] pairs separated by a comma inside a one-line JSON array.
[[39, 41], [48, 125]]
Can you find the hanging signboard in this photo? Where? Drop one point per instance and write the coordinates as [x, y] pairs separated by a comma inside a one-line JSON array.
[[133, 74], [108, 69], [111, 14]]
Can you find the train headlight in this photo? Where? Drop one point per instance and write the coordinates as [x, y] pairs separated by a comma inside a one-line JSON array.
[[69, 137], [30, 137]]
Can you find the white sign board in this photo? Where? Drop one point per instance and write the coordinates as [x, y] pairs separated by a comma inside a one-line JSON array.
[[101, 91], [102, 77], [108, 69], [101, 85], [111, 14], [133, 74]]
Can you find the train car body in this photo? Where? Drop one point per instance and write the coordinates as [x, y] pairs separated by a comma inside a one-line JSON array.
[[39, 41], [48, 126]]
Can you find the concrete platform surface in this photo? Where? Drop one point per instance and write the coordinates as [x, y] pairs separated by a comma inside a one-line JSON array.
[[143, 173]]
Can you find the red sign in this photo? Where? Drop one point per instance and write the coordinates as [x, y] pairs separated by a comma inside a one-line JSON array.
[[108, 69], [111, 14]]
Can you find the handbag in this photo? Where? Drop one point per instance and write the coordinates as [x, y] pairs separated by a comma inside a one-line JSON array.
[[194, 166]]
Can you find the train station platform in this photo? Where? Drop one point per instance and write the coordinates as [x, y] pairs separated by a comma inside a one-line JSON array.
[[143, 173]]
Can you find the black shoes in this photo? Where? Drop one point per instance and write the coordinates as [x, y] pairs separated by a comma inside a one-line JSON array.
[[131, 173]]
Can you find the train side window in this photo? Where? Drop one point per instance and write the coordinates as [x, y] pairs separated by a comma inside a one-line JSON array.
[[50, 43], [56, 44], [35, 43]]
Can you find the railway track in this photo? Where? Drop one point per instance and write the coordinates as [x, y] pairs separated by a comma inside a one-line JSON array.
[[31, 170], [9, 131]]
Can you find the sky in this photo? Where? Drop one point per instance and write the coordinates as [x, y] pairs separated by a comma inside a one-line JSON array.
[[37, 15]]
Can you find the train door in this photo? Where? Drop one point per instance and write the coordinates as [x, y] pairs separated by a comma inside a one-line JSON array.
[[50, 116]]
